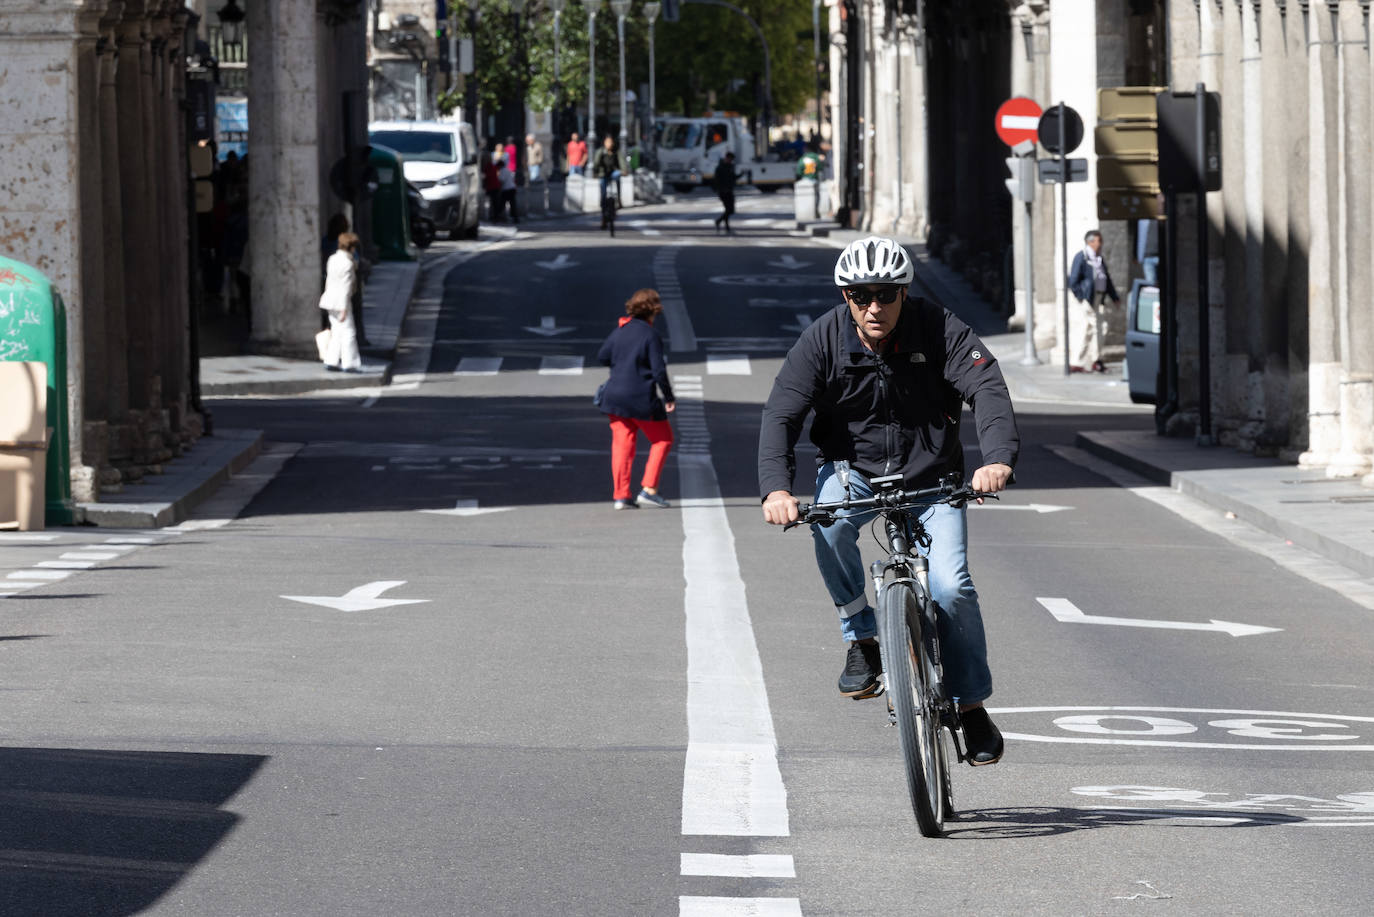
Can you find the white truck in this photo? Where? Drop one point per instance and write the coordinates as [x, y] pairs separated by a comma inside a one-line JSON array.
[[689, 148]]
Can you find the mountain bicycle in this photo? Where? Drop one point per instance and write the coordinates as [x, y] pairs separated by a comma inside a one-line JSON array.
[[610, 203], [926, 717]]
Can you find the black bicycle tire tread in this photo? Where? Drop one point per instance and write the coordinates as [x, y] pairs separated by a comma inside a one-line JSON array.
[[893, 612]]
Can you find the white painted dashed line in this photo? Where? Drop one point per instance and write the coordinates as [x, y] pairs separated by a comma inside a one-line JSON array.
[[131, 540], [747, 866], [65, 564], [40, 574], [478, 366], [703, 906], [370, 400], [560, 366], [27, 537], [727, 364], [91, 555], [18, 584]]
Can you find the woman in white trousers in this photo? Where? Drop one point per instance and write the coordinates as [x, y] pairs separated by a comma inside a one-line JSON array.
[[340, 273]]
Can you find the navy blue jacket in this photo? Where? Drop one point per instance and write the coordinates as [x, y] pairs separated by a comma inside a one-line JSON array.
[[634, 352], [888, 413], [1081, 280]]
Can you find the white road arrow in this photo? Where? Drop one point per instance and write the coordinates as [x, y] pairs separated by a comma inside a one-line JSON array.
[[548, 327], [468, 507], [801, 324], [557, 264], [364, 598], [1033, 507], [1069, 613], [790, 263]]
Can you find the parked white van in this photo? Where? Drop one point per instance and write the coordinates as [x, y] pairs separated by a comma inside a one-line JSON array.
[[439, 158]]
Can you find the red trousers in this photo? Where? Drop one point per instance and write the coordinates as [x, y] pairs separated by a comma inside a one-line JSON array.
[[624, 435]]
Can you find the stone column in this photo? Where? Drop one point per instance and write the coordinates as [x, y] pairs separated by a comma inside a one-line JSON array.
[[1298, 144], [839, 105], [85, 345], [115, 337], [1022, 84], [915, 214], [1184, 72], [283, 177], [1357, 337], [139, 255], [1324, 257], [1232, 374]]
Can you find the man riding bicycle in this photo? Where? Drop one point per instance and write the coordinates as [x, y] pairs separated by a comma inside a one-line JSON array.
[[885, 375]]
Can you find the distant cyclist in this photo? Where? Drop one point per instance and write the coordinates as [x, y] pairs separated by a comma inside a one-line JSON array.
[[886, 375]]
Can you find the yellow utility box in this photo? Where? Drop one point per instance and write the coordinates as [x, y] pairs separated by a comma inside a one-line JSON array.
[[24, 436]]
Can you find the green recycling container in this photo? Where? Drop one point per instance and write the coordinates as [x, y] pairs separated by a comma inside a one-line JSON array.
[[390, 208], [33, 328]]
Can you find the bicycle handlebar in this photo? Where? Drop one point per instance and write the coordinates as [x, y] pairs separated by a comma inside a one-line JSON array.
[[812, 513]]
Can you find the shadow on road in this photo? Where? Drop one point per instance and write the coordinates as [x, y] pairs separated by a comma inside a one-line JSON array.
[[1048, 821], [104, 832]]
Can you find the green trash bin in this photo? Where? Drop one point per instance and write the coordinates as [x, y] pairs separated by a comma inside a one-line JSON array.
[[33, 328], [390, 209]]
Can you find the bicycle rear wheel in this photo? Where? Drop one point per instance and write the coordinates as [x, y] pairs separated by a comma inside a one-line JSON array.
[[918, 721]]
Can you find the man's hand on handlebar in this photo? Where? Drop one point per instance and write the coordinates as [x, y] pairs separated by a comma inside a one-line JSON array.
[[991, 479], [780, 508]]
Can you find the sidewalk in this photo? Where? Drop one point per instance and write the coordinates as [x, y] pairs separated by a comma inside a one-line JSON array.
[[385, 297]]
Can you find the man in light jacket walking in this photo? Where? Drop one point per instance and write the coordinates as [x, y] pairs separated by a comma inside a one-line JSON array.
[[1092, 286]]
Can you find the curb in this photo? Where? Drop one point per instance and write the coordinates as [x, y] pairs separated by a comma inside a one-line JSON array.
[[1188, 484], [200, 483], [298, 386]]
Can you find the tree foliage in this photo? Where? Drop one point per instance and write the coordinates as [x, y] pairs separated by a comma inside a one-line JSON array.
[[711, 52]]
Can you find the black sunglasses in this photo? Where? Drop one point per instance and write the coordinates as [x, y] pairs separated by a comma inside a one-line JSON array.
[[887, 295]]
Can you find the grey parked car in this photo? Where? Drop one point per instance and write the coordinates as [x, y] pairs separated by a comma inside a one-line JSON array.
[[439, 158], [1142, 341]]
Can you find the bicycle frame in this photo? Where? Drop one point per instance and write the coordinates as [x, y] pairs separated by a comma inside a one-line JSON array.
[[904, 565]]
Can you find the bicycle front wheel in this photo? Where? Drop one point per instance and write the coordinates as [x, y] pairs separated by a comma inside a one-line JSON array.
[[918, 720]]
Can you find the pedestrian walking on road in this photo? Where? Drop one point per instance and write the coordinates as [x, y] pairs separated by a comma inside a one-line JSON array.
[[340, 274], [491, 183], [577, 155], [1092, 286], [534, 158], [725, 187], [638, 399], [505, 175]]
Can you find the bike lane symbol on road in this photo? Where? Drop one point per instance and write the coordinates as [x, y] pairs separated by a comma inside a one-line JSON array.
[[1188, 727]]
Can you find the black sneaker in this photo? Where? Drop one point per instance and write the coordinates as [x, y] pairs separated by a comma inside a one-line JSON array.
[[982, 738], [863, 664]]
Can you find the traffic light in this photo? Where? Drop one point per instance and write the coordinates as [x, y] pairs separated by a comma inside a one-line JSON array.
[[1022, 181]]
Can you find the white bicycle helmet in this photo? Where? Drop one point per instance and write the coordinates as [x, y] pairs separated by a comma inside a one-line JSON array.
[[874, 260]]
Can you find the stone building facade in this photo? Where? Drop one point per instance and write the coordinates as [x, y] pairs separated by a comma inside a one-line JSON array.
[[94, 191], [1292, 323]]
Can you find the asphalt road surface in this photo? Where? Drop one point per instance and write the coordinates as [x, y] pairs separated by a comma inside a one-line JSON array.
[[578, 711]]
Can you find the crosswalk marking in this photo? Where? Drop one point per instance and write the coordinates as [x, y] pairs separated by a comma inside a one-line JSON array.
[[560, 366], [727, 364], [704, 906], [478, 366], [737, 866]]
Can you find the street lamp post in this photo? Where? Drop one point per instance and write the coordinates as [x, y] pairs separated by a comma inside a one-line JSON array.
[[470, 80], [517, 7], [557, 7], [592, 7], [651, 11], [622, 9]]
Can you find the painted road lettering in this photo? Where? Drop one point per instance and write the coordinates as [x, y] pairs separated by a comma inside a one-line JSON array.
[[1187, 727]]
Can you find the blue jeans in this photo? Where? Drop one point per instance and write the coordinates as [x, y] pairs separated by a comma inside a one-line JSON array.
[[607, 179], [962, 641]]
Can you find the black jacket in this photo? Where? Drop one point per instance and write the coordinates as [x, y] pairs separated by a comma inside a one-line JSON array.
[[889, 413], [634, 352], [726, 177], [605, 162]]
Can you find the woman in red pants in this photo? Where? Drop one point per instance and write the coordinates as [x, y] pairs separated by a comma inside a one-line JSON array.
[[634, 352]]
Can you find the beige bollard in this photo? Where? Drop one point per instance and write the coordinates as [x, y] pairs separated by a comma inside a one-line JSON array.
[[24, 437]]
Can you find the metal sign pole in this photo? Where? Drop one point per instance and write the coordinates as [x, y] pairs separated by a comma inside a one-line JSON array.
[[1204, 330], [1030, 359], [1064, 227]]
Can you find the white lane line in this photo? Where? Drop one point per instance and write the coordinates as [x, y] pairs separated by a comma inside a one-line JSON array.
[[478, 366], [702, 906], [118, 549], [14, 584], [24, 537], [727, 364], [40, 574], [370, 400], [65, 564], [560, 366], [131, 540], [747, 866], [681, 335], [732, 784], [90, 555]]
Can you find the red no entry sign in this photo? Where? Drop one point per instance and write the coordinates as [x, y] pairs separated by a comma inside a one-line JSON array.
[[1017, 119]]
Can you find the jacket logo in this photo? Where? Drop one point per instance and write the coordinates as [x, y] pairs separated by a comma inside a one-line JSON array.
[[977, 358], [918, 357]]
